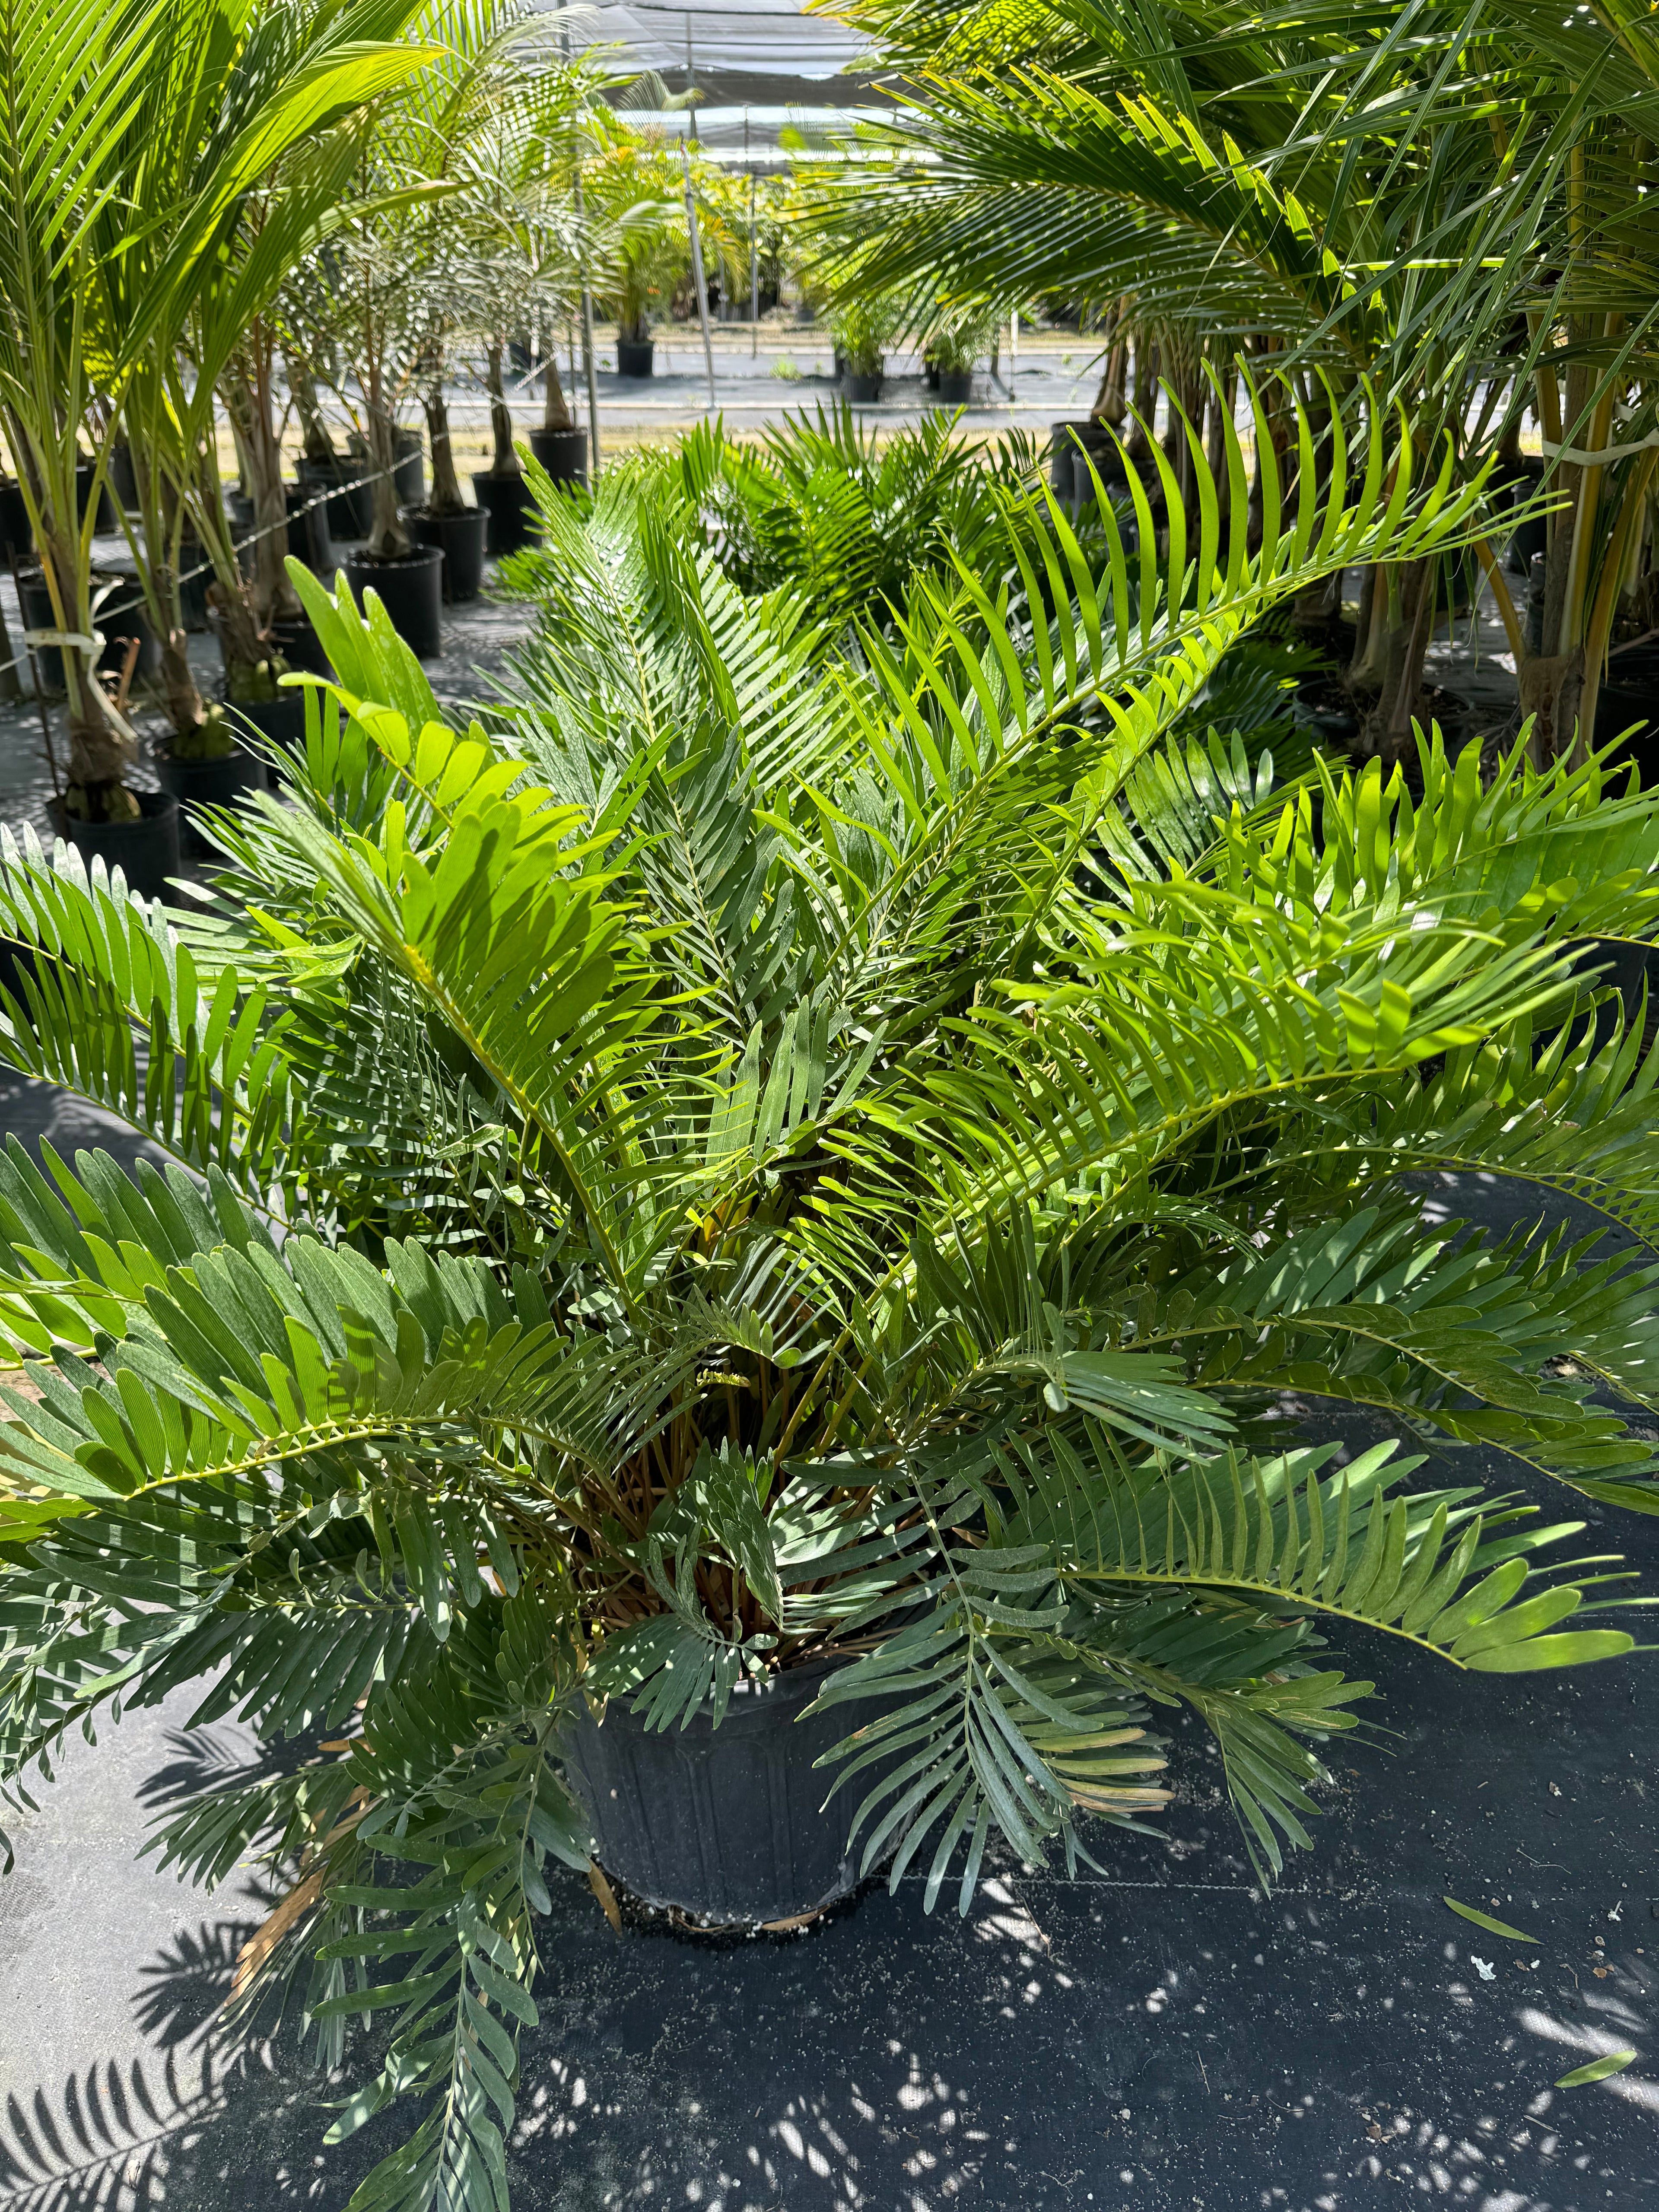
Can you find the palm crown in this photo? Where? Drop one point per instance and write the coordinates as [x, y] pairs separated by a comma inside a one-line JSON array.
[[785, 1150]]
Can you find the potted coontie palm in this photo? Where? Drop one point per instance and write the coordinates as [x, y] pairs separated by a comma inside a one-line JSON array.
[[789, 1185]]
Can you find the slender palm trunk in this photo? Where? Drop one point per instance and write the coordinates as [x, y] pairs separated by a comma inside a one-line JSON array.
[[506, 461]]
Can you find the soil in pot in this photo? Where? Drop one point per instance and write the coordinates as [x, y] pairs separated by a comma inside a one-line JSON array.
[[226, 781], [956, 387], [725, 1824], [464, 539], [309, 538], [510, 504], [145, 851], [562, 454], [635, 356], [862, 391], [411, 592]]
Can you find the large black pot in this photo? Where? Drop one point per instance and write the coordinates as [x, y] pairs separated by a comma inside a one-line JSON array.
[[635, 355], [16, 536], [146, 851], [956, 387], [123, 477], [510, 504], [464, 539], [862, 391], [726, 1824], [411, 592], [195, 575], [350, 511], [1320, 705], [226, 782], [562, 454]]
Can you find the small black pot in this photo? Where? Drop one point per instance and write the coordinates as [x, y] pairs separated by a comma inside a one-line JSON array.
[[1630, 694], [724, 1823], [930, 374], [279, 721], [464, 539], [122, 477], [956, 387], [239, 507], [226, 782], [349, 512], [408, 468], [411, 592], [309, 538], [862, 391], [108, 521], [146, 851], [295, 638], [16, 537], [562, 454], [35, 606], [510, 504], [1319, 706], [635, 356], [192, 589]]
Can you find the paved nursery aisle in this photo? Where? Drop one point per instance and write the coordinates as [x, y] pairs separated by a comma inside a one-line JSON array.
[[1161, 2037]]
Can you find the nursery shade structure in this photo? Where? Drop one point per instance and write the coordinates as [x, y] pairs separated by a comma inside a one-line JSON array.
[[717, 47]]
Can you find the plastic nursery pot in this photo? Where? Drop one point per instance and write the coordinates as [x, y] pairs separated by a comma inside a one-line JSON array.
[[726, 1824], [118, 619], [510, 504], [15, 534], [635, 356], [295, 638], [226, 782], [955, 387], [349, 512], [108, 521], [192, 587], [145, 851], [1321, 706], [411, 592], [562, 454], [408, 468], [863, 390], [1630, 695], [931, 373], [464, 539], [309, 538]]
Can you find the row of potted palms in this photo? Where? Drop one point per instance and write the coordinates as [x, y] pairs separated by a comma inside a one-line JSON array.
[[1454, 204]]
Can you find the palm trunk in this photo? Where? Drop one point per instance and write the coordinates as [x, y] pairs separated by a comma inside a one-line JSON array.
[[250, 397], [556, 411], [506, 461], [388, 538], [446, 496]]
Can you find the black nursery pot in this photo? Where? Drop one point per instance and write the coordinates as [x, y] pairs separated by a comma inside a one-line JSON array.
[[863, 390], [725, 1824], [118, 628], [635, 356], [1630, 695], [408, 468], [462, 538], [956, 387], [309, 538], [146, 851], [108, 521], [16, 536], [562, 454], [196, 783], [510, 503], [411, 592], [349, 512]]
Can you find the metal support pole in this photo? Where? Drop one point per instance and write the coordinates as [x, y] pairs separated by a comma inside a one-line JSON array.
[[697, 272], [587, 350], [753, 265]]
